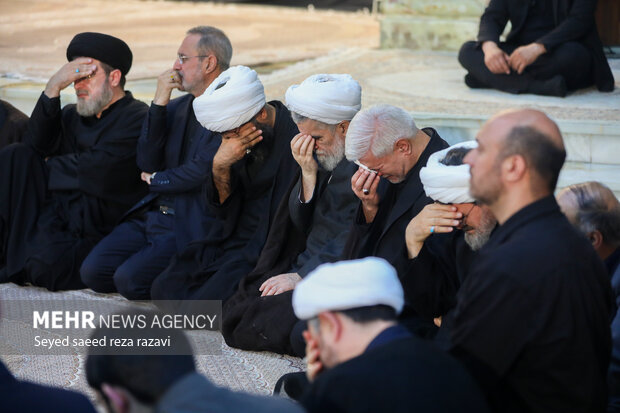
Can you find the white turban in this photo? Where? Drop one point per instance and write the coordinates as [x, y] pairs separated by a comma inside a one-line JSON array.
[[447, 184], [348, 284], [327, 98], [233, 98]]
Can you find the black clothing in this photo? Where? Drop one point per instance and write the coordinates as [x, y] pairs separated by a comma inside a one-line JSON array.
[[385, 236], [302, 236], [552, 74], [435, 275], [613, 268], [210, 269], [402, 375], [13, 124], [55, 210], [532, 316], [103, 47], [24, 397], [568, 32], [175, 146]]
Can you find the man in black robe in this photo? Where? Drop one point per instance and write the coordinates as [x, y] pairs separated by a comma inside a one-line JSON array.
[[312, 222], [360, 360], [13, 124], [249, 175], [443, 239], [387, 144], [552, 48], [531, 321], [174, 153], [66, 187], [595, 211]]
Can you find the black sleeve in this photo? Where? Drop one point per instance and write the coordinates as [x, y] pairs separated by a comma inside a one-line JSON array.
[[430, 281], [301, 212], [493, 21], [152, 141], [44, 126], [578, 23]]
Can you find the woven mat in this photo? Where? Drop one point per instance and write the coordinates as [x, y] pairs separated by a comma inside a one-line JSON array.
[[247, 371]]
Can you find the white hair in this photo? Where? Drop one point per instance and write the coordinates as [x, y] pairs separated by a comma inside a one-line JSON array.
[[377, 129]]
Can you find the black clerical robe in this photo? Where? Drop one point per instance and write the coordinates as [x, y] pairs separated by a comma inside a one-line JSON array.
[[210, 269], [13, 124], [302, 236], [65, 188], [402, 375], [385, 236], [435, 275], [532, 316]]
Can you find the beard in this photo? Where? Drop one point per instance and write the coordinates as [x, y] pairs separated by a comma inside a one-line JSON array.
[[94, 105], [482, 232], [477, 239], [329, 160]]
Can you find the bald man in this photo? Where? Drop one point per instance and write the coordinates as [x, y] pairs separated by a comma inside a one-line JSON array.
[[532, 318]]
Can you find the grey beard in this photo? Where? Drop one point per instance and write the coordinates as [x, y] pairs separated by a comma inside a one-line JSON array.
[[476, 240], [94, 106], [329, 161]]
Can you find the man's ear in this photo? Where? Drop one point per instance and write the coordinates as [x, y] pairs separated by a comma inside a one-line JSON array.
[[596, 238], [403, 146], [343, 127], [514, 168], [262, 115], [115, 77], [209, 64], [331, 325], [117, 396]]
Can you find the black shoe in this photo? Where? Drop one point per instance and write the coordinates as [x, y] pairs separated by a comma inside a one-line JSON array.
[[556, 86], [474, 83], [292, 385]]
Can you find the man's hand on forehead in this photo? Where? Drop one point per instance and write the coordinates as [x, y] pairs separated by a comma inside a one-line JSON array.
[[71, 72]]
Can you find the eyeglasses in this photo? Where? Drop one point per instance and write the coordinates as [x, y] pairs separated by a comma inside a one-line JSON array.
[[182, 58]]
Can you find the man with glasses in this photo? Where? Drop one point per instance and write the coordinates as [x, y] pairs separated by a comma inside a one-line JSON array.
[[174, 154], [443, 239], [74, 176]]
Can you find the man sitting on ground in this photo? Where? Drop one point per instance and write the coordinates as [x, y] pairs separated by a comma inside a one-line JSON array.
[[175, 153], [552, 48], [250, 174], [531, 320], [360, 359], [387, 144], [443, 239], [66, 187], [595, 211], [313, 221]]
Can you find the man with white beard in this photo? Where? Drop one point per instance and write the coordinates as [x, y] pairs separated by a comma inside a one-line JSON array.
[[67, 185], [312, 223]]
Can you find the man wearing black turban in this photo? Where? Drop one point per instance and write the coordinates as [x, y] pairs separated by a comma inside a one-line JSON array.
[[65, 187]]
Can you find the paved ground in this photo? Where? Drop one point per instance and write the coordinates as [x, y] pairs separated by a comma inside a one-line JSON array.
[[34, 33]]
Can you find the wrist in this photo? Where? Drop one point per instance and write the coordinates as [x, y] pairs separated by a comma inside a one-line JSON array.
[[489, 45]]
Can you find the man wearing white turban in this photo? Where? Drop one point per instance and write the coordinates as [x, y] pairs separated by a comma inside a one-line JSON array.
[[360, 360], [250, 174], [443, 239], [312, 223]]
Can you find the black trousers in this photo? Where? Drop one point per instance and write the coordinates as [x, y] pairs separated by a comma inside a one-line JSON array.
[[570, 60]]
